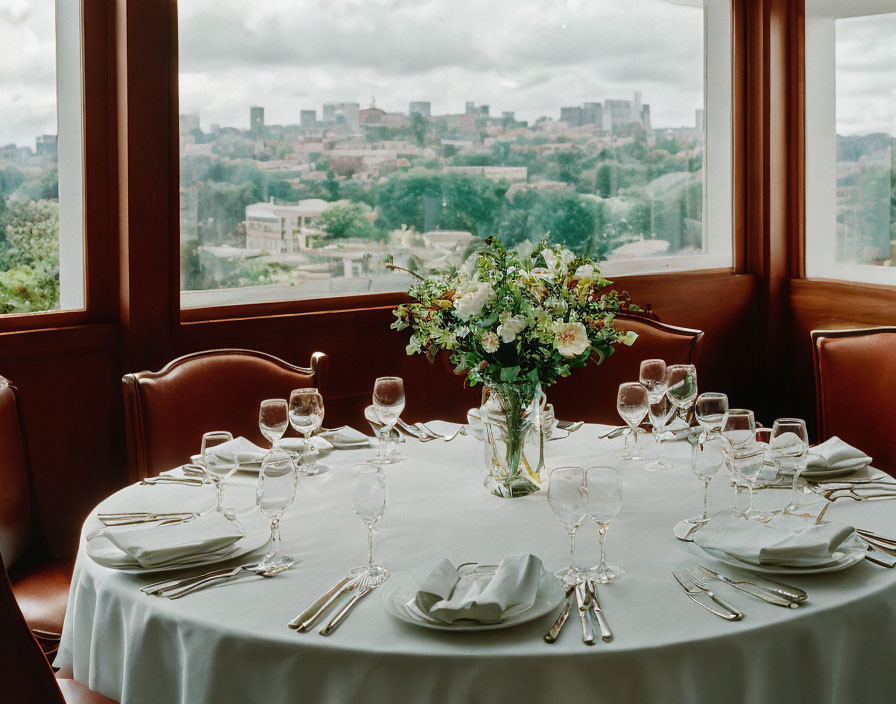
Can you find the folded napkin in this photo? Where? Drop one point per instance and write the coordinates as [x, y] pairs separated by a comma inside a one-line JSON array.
[[780, 542], [447, 597], [835, 455], [160, 546], [298, 444], [346, 436], [246, 451]]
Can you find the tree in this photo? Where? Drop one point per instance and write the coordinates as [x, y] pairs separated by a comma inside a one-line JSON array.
[[567, 218], [346, 221], [29, 280]]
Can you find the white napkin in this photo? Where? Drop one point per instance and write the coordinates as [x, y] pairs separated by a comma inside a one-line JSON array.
[[835, 455], [446, 597], [246, 451], [298, 444], [160, 546], [779, 542], [346, 436]]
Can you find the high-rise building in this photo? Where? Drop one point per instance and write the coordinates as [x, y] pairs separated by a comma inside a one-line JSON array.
[[47, 145], [423, 108], [471, 108], [593, 114], [344, 114], [645, 118], [308, 118], [572, 116], [256, 122], [617, 114]]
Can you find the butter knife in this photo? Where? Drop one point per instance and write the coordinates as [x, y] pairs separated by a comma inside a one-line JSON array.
[[318, 605], [772, 597], [606, 634], [333, 597], [552, 635], [582, 600]]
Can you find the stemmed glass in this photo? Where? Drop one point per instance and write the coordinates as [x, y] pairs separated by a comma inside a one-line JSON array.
[[273, 420], [706, 460], [660, 413], [652, 375], [747, 463], [306, 414], [788, 449], [632, 404], [710, 410], [604, 487], [388, 403], [738, 434], [568, 499], [218, 467], [681, 386], [369, 503], [275, 493]]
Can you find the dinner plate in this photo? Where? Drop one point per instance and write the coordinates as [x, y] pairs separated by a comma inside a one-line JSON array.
[[848, 556], [402, 588], [822, 474]]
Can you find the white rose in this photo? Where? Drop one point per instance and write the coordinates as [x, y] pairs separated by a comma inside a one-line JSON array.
[[473, 302], [490, 342], [584, 272], [550, 259], [566, 257], [511, 326], [571, 339]]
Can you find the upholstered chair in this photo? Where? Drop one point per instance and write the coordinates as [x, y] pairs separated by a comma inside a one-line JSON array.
[[40, 582], [589, 393], [855, 384], [167, 412]]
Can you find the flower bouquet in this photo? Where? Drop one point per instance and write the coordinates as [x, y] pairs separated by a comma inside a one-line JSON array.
[[515, 321]]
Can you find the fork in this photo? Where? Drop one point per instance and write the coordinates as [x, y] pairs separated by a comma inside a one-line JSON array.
[[692, 591], [702, 583], [414, 432], [429, 431], [364, 587], [269, 570]]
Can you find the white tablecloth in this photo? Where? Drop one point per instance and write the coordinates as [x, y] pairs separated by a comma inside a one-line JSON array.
[[231, 643]]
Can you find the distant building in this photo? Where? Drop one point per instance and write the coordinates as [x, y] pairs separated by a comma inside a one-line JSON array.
[[308, 118], [47, 145], [344, 114], [282, 229], [470, 108], [572, 116], [508, 116], [256, 122], [422, 108], [372, 117], [617, 114], [593, 114], [513, 174], [645, 119]]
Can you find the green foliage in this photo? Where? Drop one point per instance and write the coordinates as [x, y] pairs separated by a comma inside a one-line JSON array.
[[29, 257], [347, 221]]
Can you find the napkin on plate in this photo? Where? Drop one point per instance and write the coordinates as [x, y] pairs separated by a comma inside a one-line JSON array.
[[347, 437], [160, 546], [447, 597], [835, 455], [297, 445], [780, 542], [246, 451]]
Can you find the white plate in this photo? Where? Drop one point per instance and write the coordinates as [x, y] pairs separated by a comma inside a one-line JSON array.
[[256, 537], [402, 587], [849, 556], [822, 474]]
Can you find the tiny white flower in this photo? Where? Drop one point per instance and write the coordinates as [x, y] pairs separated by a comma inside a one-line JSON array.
[[490, 342], [571, 339]]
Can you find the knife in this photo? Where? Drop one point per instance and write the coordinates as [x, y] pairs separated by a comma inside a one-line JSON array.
[[552, 635], [305, 620], [769, 595], [344, 611], [606, 634], [582, 599], [879, 557]]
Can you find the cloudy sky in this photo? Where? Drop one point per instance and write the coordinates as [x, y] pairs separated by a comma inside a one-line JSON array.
[[530, 56]]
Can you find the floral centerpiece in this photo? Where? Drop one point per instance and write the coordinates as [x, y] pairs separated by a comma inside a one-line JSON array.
[[516, 322]]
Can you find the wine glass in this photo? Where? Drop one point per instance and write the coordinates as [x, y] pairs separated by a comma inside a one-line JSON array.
[[738, 433], [653, 377], [388, 403], [306, 413], [273, 420], [632, 404], [387, 440], [568, 499], [707, 457], [681, 386], [219, 467], [710, 410], [747, 461], [660, 413], [604, 487], [275, 493], [369, 502], [788, 449]]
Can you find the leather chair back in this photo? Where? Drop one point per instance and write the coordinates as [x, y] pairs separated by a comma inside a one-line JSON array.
[[25, 674], [589, 394], [16, 517], [855, 383], [167, 412]]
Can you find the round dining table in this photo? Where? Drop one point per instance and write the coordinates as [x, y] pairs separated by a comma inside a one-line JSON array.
[[231, 643]]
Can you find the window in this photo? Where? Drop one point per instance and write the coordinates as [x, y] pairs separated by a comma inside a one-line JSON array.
[[319, 139], [41, 185], [850, 128]]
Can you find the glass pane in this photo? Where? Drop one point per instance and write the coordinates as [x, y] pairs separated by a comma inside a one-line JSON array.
[[29, 180], [320, 140]]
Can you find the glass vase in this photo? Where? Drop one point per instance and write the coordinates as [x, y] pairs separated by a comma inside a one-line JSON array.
[[513, 442]]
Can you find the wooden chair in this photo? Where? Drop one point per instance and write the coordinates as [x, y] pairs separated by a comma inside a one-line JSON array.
[[589, 394], [167, 412], [855, 384], [39, 581]]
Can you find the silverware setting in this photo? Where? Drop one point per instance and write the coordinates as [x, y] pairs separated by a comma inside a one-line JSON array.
[[700, 581], [693, 591], [587, 606], [424, 428], [138, 517], [365, 586], [168, 479], [570, 426], [857, 493], [582, 601], [175, 589], [415, 432], [552, 635], [305, 621], [790, 597], [606, 635]]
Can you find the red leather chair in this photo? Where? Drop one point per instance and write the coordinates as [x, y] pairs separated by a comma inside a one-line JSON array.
[[24, 671], [855, 384], [589, 394], [166, 412], [40, 582]]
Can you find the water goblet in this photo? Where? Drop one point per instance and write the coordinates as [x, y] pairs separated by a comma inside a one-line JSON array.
[[681, 387], [604, 487], [568, 499], [387, 439], [652, 375], [660, 413], [273, 420], [275, 493], [632, 404], [306, 414], [747, 461], [369, 502], [220, 467], [388, 403], [707, 457], [710, 410], [738, 432], [788, 449]]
